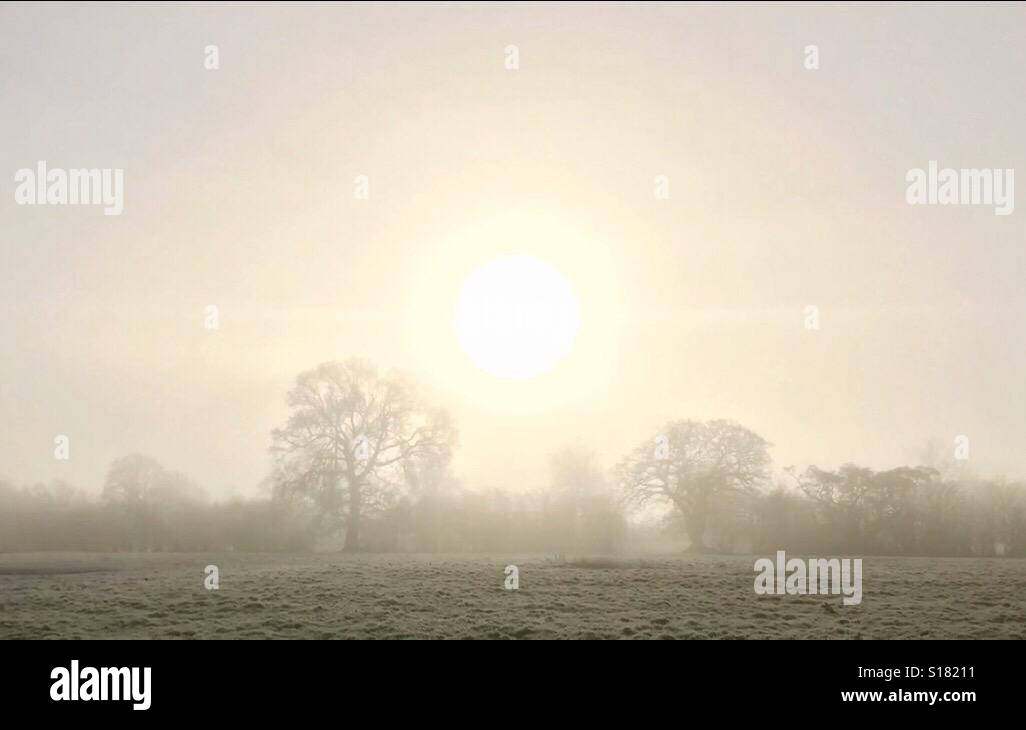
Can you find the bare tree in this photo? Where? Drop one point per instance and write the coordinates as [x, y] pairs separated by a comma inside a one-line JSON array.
[[581, 506], [870, 510], [693, 464], [151, 506], [139, 479], [351, 438]]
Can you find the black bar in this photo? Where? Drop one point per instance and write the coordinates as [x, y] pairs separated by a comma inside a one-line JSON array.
[[764, 679]]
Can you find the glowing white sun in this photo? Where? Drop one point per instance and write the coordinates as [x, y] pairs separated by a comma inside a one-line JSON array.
[[516, 317]]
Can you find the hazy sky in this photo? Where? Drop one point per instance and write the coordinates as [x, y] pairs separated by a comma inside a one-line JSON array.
[[787, 189]]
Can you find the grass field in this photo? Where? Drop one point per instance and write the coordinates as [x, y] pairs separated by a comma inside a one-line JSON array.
[[162, 596]]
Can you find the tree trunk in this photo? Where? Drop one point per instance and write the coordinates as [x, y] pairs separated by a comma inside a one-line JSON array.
[[694, 523], [352, 544]]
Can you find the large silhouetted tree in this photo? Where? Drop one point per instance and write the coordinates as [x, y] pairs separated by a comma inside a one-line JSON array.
[[693, 465], [351, 439]]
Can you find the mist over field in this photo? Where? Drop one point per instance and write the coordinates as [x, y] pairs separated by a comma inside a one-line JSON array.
[[499, 320]]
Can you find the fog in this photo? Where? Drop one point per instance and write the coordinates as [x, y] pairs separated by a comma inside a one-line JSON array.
[[786, 190]]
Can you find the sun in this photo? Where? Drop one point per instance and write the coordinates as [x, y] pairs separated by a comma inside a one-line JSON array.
[[516, 317]]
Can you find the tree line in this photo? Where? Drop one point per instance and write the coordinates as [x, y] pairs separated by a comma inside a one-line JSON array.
[[363, 464]]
